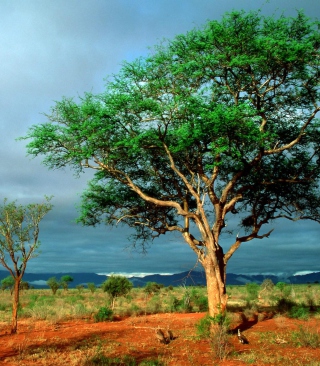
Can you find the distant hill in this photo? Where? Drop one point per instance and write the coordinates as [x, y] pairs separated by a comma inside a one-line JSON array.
[[38, 280]]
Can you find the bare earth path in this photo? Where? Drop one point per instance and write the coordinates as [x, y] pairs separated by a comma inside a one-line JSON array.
[[77, 341]]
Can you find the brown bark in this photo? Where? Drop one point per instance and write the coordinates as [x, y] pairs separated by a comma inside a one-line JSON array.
[[216, 288], [15, 305]]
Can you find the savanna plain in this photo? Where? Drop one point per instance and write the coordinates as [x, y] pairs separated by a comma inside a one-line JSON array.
[[78, 327]]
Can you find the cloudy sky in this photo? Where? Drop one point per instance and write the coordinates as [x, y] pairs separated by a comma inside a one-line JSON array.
[[51, 49]]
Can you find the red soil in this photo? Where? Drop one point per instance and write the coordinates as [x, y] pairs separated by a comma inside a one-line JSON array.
[[74, 342]]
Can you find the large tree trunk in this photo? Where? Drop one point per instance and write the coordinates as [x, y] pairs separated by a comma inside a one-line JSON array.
[[216, 287], [15, 305]]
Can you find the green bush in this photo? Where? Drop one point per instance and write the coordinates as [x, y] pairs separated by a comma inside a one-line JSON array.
[[299, 312], [103, 314], [202, 303], [216, 330], [152, 288], [205, 324], [53, 284], [252, 294]]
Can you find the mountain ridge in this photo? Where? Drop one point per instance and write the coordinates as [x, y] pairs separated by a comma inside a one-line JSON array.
[[188, 278]]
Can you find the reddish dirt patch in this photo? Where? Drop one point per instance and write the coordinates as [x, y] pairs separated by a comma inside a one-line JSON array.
[[74, 342]]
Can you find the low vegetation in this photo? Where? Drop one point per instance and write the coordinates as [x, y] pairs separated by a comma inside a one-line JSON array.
[[295, 301], [248, 303]]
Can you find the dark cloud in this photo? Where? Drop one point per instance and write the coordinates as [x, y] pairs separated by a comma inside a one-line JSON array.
[[51, 49]]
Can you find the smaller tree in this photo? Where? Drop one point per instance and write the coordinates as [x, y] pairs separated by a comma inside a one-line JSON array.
[[7, 282], [53, 284], [65, 280], [91, 287], [19, 241], [116, 286]]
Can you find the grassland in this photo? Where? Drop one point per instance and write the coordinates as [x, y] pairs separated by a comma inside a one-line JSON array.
[[281, 321]]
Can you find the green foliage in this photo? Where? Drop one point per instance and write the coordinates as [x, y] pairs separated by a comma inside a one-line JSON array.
[[299, 312], [252, 290], [117, 286], [65, 280], [152, 287], [53, 284], [19, 233], [91, 287], [284, 289], [252, 294], [7, 283], [223, 115], [306, 337], [19, 242], [102, 360], [103, 314], [205, 325], [74, 299], [216, 330], [281, 286]]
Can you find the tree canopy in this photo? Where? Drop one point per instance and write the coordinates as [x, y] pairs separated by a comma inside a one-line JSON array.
[[220, 121], [19, 241]]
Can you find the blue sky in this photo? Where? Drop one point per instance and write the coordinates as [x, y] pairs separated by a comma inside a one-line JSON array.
[[51, 49]]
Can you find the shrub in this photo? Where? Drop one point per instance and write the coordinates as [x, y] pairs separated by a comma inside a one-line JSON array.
[[216, 329], [91, 287], [199, 300], [53, 284], [7, 282], [103, 314], [154, 305], [65, 281], [252, 293], [152, 288], [284, 289], [299, 312], [202, 303]]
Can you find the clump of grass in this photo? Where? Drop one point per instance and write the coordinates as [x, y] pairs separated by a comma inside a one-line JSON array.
[[216, 329], [102, 360], [304, 337]]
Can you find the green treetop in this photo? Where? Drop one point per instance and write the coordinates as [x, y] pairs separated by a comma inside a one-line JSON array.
[[217, 123]]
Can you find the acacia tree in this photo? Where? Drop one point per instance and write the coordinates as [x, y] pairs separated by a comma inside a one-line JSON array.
[[116, 286], [65, 280], [217, 123], [19, 232]]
